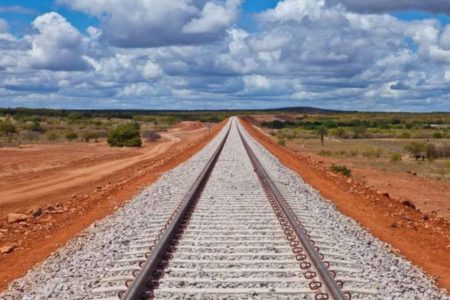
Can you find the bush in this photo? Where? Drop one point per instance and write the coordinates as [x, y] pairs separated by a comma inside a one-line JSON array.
[[125, 135], [415, 148], [438, 135], [53, 136], [281, 141], [7, 128], [73, 116], [373, 153], [341, 169], [36, 126], [276, 124], [405, 135], [151, 136], [396, 157], [431, 151], [29, 135], [444, 150], [90, 135], [71, 136], [340, 132], [359, 132]]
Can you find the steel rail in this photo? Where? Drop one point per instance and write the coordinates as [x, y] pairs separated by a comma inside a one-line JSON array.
[[314, 256], [139, 286]]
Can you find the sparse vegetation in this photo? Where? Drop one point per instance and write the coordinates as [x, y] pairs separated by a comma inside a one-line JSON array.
[[36, 125], [71, 136], [342, 169], [281, 141], [89, 135], [396, 157], [7, 128]]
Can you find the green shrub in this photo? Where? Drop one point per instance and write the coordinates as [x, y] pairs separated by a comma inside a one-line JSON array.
[[396, 157], [7, 128], [125, 135], [276, 124], [341, 169], [71, 136], [36, 126], [73, 116], [405, 135], [438, 135], [340, 132], [281, 141], [359, 132]]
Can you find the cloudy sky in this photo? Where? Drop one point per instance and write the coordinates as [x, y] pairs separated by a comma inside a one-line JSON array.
[[214, 54]]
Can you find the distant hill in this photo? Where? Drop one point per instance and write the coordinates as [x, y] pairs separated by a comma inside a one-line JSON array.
[[306, 110]]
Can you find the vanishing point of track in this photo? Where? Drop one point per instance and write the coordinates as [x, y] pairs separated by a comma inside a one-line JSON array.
[[233, 236]]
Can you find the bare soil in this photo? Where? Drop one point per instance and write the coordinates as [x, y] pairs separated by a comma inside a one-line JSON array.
[[69, 186], [422, 238]]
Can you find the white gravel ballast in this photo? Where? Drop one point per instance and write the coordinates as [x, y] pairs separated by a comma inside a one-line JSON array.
[[76, 269]]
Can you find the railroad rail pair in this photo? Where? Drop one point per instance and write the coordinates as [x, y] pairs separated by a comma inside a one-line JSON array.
[[321, 280]]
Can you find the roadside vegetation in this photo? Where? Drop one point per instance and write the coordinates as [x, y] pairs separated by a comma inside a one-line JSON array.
[[30, 126], [414, 143]]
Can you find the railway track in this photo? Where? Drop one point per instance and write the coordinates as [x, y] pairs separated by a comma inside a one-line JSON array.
[[234, 235]]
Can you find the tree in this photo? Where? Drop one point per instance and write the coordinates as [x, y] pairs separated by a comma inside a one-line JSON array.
[[125, 135], [7, 128], [322, 131], [416, 149]]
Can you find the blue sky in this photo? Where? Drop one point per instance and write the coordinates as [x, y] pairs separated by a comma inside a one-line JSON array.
[[342, 54]]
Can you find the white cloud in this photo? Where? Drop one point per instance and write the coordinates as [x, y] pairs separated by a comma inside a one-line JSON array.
[[302, 50], [256, 82], [57, 44], [294, 10], [214, 17], [155, 23]]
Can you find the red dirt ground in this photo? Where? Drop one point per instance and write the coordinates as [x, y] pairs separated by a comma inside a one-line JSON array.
[[74, 185], [423, 239]]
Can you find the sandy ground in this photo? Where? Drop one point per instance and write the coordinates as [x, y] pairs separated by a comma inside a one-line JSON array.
[[423, 238], [62, 189], [429, 196]]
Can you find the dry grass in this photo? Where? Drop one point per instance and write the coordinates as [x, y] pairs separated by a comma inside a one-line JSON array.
[[376, 154]]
